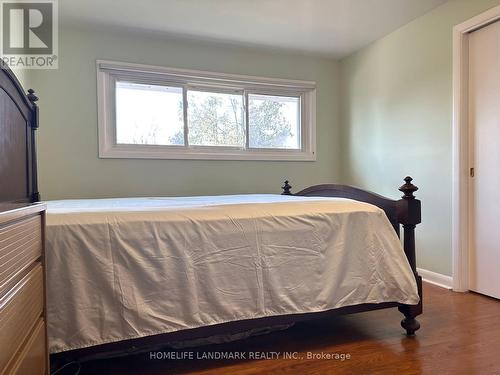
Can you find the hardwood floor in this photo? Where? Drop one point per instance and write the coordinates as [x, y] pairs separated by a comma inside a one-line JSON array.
[[460, 334]]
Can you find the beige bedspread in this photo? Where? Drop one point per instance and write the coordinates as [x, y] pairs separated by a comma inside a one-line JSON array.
[[126, 268]]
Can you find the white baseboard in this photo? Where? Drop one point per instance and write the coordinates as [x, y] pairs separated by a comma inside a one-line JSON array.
[[436, 278]]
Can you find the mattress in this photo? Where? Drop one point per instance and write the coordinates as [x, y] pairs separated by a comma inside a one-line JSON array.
[[126, 268]]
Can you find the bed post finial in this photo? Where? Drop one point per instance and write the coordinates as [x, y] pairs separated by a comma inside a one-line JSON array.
[[409, 215], [32, 97], [408, 188], [286, 188]]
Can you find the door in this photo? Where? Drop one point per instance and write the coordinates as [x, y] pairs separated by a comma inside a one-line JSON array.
[[484, 128]]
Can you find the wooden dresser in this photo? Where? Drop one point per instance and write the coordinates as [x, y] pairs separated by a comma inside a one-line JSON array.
[[23, 336]]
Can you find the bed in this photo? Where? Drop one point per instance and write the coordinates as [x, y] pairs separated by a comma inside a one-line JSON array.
[[137, 272]]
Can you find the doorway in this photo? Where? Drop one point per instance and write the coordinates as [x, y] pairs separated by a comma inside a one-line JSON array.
[[476, 169]]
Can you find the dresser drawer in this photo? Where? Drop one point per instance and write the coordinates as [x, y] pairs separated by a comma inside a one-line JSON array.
[[20, 246], [32, 360], [20, 309]]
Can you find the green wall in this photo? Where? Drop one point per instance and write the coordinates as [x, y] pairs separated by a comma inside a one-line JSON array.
[[396, 116], [68, 163]]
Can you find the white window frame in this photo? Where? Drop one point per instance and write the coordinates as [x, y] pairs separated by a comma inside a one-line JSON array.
[[108, 72]]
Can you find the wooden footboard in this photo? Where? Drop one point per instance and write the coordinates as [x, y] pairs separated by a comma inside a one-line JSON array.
[[404, 212]]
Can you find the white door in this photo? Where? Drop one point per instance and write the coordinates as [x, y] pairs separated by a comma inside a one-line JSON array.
[[484, 125]]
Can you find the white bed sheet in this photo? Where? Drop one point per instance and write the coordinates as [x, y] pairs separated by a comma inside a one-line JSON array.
[[127, 268]]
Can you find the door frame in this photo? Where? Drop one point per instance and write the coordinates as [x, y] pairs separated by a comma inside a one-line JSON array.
[[460, 176]]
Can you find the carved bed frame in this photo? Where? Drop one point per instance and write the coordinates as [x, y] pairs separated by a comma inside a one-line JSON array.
[[18, 184], [405, 211], [18, 124]]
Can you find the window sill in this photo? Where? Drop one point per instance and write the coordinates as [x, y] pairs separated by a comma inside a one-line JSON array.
[[162, 152]]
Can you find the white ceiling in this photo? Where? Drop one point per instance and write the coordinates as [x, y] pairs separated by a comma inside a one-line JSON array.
[[332, 28]]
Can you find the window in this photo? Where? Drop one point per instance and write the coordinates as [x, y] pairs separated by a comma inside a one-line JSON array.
[[274, 121], [215, 119], [148, 114], [164, 113]]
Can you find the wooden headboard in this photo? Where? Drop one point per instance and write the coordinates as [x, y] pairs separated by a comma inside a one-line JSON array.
[[18, 123]]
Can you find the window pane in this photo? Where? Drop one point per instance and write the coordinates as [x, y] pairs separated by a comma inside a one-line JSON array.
[[215, 119], [274, 121], [149, 114]]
